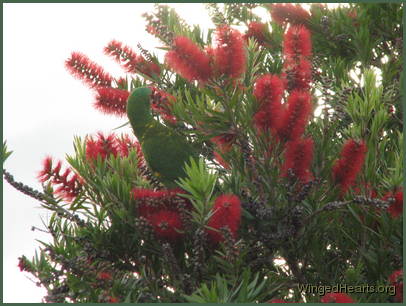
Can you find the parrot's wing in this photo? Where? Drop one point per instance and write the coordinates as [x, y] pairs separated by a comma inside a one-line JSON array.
[[166, 153]]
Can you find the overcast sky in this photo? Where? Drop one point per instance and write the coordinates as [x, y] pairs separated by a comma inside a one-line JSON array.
[[44, 107]]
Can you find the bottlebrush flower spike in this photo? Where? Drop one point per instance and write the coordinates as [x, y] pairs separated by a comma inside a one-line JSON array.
[[295, 116], [161, 103], [102, 146], [81, 67], [227, 213], [224, 141], [297, 75], [336, 297], [297, 43], [129, 60], [396, 279], [346, 168], [68, 186], [125, 144], [167, 224], [256, 30], [396, 208], [268, 89], [187, 59], [151, 201], [104, 276], [229, 52], [111, 100], [298, 157], [287, 12]]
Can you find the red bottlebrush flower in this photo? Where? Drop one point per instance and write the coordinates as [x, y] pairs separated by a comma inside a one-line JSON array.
[[111, 100], [229, 53], [287, 12], [46, 172], [346, 168], [336, 297], [277, 301], [125, 144], [298, 157], [24, 265], [295, 116], [268, 89], [221, 160], [167, 224], [103, 146], [104, 276], [161, 103], [68, 186], [396, 279], [256, 30], [151, 201], [297, 43], [396, 208], [81, 67], [297, 75], [130, 61], [187, 59], [224, 141], [113, 299], [227, 213]]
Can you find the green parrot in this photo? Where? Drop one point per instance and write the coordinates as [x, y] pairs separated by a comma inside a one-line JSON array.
[[165, 151]]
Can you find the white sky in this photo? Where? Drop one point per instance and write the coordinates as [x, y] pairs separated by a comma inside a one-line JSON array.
[[44, 107]]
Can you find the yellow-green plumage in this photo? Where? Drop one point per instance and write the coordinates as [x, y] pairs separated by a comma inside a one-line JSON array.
[[165, 151]]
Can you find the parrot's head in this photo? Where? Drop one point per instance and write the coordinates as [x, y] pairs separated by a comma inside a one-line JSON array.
[[139, 109]]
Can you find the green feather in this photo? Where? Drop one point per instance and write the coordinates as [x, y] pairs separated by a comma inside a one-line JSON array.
[[165, 151]]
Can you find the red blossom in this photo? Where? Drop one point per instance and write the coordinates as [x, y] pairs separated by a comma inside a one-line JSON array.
[[298, 157], [24, 265], [224, 141], [346, 168], [297, 70], [221, 160], [81, 67], [68, 184], [268, 91], [336, 297], [226, 213], [151, 201], [297, 43], [256, 30], [161, 103], [287, 12], [130, 61], [396, 208], [295, 116], [187, 59], [111, 100], [101, 146], [104, 276], [297, 75], [112, 299], [277, 301], [167, 224], [396, 279], [268, 88], [229, 52], [125, 144]]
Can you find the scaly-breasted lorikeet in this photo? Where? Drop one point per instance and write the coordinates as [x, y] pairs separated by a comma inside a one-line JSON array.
[[165, 151]]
